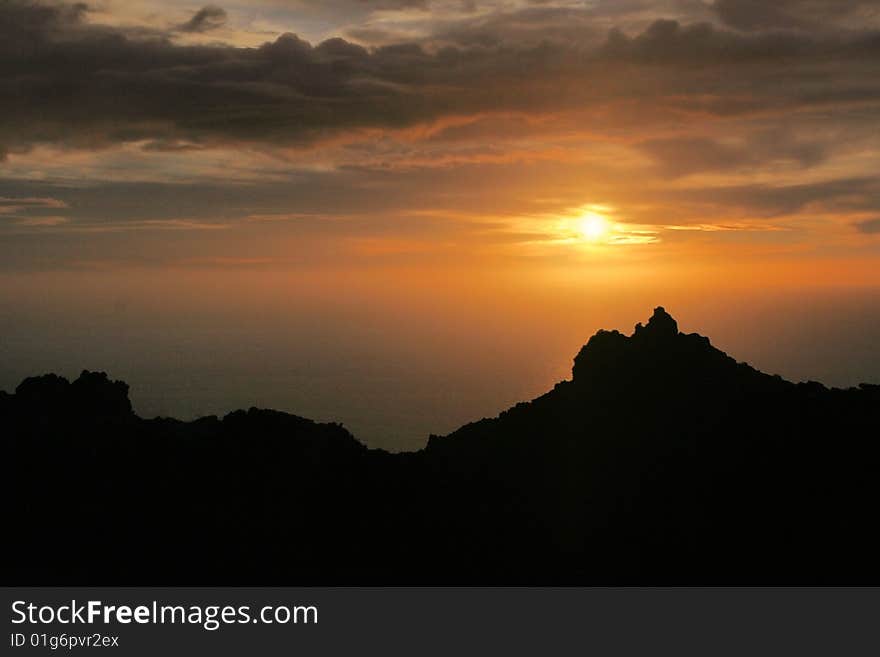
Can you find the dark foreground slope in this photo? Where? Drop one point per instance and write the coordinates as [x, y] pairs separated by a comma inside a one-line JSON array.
[[663, 460]]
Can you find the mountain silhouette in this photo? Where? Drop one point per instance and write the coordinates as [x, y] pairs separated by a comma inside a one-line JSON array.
[[662, 461]]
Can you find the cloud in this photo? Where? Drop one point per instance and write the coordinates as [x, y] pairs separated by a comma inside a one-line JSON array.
[[750, 15], [684, 155], [209, 17], [702, 44], [13, 206], [837, 196], [43, 221], [67, 81], [525, 27], [152, 140], [869, 226], [726, 227], [31, 211]]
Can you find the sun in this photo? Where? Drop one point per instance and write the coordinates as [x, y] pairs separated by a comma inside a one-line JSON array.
[[592, 226]]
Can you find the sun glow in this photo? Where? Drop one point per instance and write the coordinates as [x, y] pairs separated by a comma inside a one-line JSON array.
[[589, 229], [592, 226]]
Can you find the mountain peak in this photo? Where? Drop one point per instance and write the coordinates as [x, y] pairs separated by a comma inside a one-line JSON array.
[[660, 326], [655, 348]]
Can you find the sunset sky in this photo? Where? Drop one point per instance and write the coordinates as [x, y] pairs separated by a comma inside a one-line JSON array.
[[405, 214]]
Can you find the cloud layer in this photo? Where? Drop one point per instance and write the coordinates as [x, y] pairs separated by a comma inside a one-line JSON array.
[[473, 125], [66, 80]]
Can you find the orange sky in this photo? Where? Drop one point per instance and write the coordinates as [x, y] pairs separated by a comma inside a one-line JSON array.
[[271, 133]]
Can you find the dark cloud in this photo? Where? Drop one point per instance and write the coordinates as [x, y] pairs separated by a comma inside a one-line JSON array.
[[700, 44], [685, 155], [756, 14], [205, 19], [355, 10], [526, 27], [838, 196], [31, 212], [66, 81], [751, 15], [15, 205], [869, 226], [212, 219]]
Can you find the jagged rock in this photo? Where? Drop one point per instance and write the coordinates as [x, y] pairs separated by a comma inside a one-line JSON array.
[[94, 392], [603, 352], [661, 326], [655, 353], [664, 461]]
